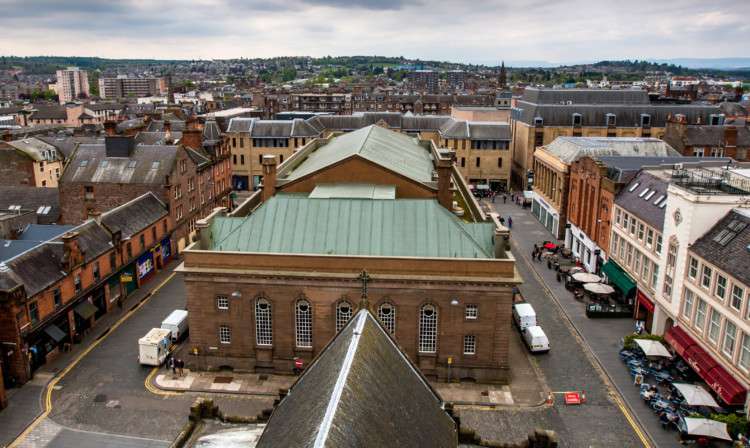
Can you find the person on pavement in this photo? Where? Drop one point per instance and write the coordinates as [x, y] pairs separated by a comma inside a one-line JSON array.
[[510, 222]]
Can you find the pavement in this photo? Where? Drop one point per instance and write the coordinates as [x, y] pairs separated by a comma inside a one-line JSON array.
[[25, 403]]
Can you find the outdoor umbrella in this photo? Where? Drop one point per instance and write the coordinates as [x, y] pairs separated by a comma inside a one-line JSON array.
[[598, 288], [653, 348], [695, 395], [706, 427], [549, 246], [585, 277]]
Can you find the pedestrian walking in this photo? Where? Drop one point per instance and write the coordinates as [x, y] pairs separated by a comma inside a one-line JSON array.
[[173, 365], [510, 222], [119, 302], [502, 221], [492, 195], [180, 365], [505, 198]]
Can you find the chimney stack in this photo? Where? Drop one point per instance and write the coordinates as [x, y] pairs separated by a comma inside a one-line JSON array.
[[97, 216], [445, 197], [7, 137], [73, 256], [168, 130], [730, 141], [192, 138], [110, 127], [269, 176]]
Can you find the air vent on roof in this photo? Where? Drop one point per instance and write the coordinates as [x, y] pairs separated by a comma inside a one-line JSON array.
[[643, 193], [635, 185], [649, 195]]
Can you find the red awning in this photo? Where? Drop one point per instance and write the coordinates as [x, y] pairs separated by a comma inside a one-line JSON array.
[[725, 386], [648, 304], [699, 360], [678, 339]]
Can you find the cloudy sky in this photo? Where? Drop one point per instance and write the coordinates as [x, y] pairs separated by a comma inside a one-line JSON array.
[[478, 31]]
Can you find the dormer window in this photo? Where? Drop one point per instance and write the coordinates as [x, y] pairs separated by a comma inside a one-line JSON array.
[[611, 120], [577, 119], [645, 120], [538, 121], [716, 120]]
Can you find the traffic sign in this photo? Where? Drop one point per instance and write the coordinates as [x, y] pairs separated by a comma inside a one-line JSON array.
[[298, 363], [573, 398]]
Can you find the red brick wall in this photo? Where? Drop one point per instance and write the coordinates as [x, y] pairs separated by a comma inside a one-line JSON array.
[[15, 169]]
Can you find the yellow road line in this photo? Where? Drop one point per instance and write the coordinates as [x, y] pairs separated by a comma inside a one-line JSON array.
[[51, 385], [151, 388]]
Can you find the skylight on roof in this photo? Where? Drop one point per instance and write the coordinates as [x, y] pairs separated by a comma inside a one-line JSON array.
[[653, 192], [663, 204], [104, 163], [656, 202], [155, 165], [635, 185], [84, 162], [132, 164], [643, 193]]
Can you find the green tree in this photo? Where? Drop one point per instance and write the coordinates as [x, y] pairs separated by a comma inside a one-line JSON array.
[[188, 83], [35, 94], [288, 74], [49, 94]]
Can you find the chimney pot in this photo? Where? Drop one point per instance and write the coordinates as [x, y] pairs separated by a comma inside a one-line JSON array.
[[269, 176]]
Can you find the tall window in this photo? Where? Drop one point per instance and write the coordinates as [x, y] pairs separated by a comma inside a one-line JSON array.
[[700, 316], [654, 276], [77, 280], [343, 313], [706, 277], [428, 329], [687, 306], [222, 302], [714, 323], [737, 294], [57, 295], [263, 328], [649, 238], [303, 318], [658, 244], [618, 216], [744, 360], [637, 264], [693, 268], [730, 337], [646, 269], [33, 313], [224, 335], [641, 230], [470, 345], [721, 287], [615, 242], [96, 271], [387, 315]]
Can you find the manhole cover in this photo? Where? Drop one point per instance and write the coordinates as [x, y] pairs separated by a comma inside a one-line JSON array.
[[101, 398], [223, 379]]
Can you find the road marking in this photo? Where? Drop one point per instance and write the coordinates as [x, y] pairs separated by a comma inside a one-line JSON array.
[[151, 388], [51, 385]]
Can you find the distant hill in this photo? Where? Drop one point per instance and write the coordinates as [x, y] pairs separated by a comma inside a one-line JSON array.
[[716, 64]]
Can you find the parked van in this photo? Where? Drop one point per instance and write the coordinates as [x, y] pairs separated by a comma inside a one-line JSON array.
[[535, 339], [154, 347], [524, 315], [177, 323]]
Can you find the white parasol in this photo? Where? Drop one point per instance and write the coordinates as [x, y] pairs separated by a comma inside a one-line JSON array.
[[706, 427], [696, 395], [585, 277], [598, 288], [653, 348]]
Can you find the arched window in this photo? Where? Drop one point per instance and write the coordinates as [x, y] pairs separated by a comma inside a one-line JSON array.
[[343, 313], [428, 329], [387, 315], [303, 320], [263, 328]]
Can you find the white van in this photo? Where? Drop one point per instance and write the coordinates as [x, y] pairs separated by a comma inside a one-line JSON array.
[[177, 323], [535, 339], [154, 347], [524, 315]]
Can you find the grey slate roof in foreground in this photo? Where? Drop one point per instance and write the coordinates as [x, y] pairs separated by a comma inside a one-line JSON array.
[[33, 198], [648, 210], [361, 391], [732, 256]]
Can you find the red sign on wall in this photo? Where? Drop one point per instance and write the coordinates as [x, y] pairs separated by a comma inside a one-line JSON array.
[[573, 398]]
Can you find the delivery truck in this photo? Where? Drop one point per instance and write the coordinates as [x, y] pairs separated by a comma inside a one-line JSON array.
[[176, 322], [154, 347]]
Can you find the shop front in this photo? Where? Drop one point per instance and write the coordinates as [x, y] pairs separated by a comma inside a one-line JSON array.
[[586, 250], [146, 268], [545, 213], [622, 281], [644, 309]]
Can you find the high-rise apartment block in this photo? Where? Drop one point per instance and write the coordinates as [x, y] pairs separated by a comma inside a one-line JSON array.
[[456, 78], [122, 87], [71, 83], [424, 79]]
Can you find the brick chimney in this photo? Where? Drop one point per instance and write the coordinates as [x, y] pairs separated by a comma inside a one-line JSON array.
[[110, 127], [7, 137], [445, 197], [730, 141], [168, 130], [269, 177], [73, 256], [192, 138], [97, 216]]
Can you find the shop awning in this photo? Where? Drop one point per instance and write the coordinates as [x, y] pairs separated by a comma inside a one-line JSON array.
[[678, 339], [699, 360], [54, 332], [86, 309], [725, 386], [619, 277]]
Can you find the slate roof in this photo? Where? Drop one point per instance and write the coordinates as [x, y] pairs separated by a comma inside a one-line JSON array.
[[118, 169], [624, 167], [570, 149], [211, 132], [489, 131], [241, 124], [155, 138], [33, 147], [302, 128], [39, 233], [705, 135], [731, 257], [33, 198], [66, 144], [361, 390], [398, 152], [39, 267], [13, 248], [136, 215], [271, 129], [158, 126], [648, 210], [57, 112], [103, 106], [626, 115], [132, 109], [424, 122], [360, 227], [585, 96]]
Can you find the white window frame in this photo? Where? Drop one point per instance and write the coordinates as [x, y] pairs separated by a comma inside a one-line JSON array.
[[472, 312], [387, 315], [649, 238], [659, 241], [225, 334], [428, 315], [470, 345], [729, 341], [713, 326], [693, 268], [687, 304], [743, 360], [637, 263], [263, 322], [720, 289], [736, 298], [222, 302], [646, 269], [641, 231], [618, 216], [303, 323], [706, 274], [344, 311], [699, 323]]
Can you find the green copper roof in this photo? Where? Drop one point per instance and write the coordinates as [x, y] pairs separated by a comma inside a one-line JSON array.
[[395, 151], [366, 227]]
